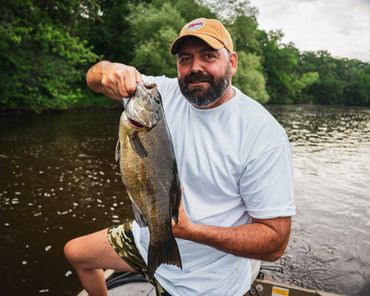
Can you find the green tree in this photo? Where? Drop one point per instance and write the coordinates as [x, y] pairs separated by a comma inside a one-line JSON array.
[[341, 81], [280, 66], [249, 77], [153, 32], [47, 46], [329, 91], [42, 64], [245, 35], [109, 32], [300, 84], [191, 9], [229, 10], [357, 90]]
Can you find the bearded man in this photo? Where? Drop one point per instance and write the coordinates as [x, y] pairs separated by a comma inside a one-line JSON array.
[[234, 165]]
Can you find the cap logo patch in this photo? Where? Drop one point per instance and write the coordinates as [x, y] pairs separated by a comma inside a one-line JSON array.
[[195, 25]]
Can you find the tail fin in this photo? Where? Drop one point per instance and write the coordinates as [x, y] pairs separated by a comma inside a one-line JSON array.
[[167, 252]]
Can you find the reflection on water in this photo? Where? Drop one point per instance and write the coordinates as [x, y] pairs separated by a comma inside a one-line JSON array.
[[330, 243], [59, 180]]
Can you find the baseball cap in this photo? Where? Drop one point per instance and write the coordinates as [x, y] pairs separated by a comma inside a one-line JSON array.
[[211, 31]]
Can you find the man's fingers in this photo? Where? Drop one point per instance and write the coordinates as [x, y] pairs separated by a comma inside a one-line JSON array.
[[120, 80], [120, 87], [109, 91], [139, 79], [130, 80]]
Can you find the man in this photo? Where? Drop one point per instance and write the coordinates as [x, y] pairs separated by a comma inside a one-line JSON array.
[[234, 165]]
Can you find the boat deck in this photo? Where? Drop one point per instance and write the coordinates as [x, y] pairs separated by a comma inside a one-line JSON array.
[[132, 285]]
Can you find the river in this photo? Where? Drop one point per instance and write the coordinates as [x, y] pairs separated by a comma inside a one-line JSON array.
[[59, 180]]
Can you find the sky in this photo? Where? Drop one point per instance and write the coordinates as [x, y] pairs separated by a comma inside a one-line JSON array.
[[341, 27]]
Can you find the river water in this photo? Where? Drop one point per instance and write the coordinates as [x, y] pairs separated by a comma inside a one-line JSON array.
[[59, 180]]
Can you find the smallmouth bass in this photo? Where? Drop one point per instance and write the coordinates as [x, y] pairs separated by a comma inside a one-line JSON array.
[[149, 173]]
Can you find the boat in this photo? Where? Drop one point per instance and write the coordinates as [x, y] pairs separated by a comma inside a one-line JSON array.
[[134, 284]]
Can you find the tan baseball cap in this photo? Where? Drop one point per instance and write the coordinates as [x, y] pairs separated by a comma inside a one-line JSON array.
[[210, 31]]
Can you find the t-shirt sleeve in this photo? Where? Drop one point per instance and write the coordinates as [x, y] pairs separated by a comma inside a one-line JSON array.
[[266, 185]]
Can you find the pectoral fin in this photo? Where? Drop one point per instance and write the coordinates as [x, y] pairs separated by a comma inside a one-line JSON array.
[[117, 153], [137, 145]]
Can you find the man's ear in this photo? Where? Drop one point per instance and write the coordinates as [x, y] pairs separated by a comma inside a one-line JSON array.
[[233, 60]]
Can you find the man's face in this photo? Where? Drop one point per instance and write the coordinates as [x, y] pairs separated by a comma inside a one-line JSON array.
[[204, 74]]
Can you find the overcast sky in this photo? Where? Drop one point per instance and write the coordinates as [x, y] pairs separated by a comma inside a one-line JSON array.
[[340, 26]]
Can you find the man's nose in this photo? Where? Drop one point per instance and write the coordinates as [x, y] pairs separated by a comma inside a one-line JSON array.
[[197, 66]]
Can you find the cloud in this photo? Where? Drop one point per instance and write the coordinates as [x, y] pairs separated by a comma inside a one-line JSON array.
[[342, 27]]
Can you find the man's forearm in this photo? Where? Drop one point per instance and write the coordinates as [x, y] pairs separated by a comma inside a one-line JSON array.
[[264, 239]]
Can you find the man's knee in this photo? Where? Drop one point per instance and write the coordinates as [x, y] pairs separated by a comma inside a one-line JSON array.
[[73, 251]]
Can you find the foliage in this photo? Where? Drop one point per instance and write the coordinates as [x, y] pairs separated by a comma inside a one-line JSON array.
[[249, 78], [245, 35], [341, 81], [154, 33], [230, 10], [280, 67], [42, 64], [301, 83], [46, 48]]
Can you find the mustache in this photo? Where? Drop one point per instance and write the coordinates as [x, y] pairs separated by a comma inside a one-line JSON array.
[[198, 77]]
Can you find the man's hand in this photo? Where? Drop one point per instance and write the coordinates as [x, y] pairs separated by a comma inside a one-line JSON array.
[[113, 79], [263, 239], [184, 226]]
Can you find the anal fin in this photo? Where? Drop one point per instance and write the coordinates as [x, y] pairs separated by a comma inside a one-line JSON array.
[[138, 216]]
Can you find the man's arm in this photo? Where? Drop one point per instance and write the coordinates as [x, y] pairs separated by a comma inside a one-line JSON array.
[[113, 80], [263, 239]]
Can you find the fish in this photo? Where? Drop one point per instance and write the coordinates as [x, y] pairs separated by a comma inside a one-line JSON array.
[[149, 173]]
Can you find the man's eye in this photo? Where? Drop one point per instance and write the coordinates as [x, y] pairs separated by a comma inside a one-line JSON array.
[[209, 56], [183, 60]]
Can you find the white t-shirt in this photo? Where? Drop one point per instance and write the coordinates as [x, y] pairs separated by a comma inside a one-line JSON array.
[[234, 163]]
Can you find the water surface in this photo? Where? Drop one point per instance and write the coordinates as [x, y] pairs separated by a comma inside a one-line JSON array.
[[330, 243], [59, 180]]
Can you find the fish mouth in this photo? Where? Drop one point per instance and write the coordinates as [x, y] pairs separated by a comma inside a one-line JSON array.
[[135, 123]]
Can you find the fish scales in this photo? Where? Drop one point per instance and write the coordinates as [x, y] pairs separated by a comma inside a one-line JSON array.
[[149, 172]]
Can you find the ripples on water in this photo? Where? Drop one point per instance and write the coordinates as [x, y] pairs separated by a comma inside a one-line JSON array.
[[330, 243], [59, 180]]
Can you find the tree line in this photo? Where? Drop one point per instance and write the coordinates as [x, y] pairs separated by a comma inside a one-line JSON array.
[[46, 47]]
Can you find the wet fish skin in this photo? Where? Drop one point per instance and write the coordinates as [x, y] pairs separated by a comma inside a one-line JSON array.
[[149, 173]]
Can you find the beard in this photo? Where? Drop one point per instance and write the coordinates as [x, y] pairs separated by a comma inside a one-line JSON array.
[[200, 96]]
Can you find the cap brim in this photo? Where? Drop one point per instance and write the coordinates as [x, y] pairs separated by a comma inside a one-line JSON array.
[[211, 41]]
